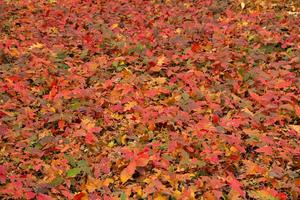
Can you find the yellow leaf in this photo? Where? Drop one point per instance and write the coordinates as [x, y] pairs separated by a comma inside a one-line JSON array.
[[123, 139], [159, 80], [246, 110], [243, 5], [296, 128], [92, 184], [88, 123], [53, 30], [114, 26], [177, 194], [161, 60], [234, 195], [108, 181], [160, 197], [116, 116], [14, 52], [187, 5], [178, 30], [36, 45], [111, 144], [233, 149], [129, 105]]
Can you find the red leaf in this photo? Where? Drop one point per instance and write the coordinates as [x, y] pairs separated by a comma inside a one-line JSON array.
[[43, 197], [255, 97], [215, 118], [297, 110], [79, 196], [265, 149], [195, 47], [61, 124], [2, 174], [103, 166], [142, 160], [90, 138], [29, 195], [236, 185]]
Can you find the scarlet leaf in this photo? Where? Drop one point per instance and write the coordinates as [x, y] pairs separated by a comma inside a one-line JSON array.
[[265, 149], [236, 185], [90, 138], [2, 174], [196, 47]]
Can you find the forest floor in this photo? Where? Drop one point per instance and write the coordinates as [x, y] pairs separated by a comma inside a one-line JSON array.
[[163, 100]]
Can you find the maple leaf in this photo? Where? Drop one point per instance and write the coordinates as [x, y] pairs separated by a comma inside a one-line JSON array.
[[127, 173], [69, 71], [90, 138], [159, 63], [256, 98], [129, 105], [92, 184], [252, 168], [265, 149], [236, 185], [36, 45]]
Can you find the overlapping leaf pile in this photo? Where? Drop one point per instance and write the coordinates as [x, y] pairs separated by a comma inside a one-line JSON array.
[[134, 99]]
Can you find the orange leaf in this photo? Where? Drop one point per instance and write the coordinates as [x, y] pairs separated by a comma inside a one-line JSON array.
[[297, 110], [196, 47], [61, 124], [160, 197], [92, 184], [209, 196], [127, 173]]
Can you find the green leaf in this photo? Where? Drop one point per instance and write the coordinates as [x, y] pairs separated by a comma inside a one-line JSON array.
[[62, 66], [84, 54], [123, 196], [84, 166], [57, 181], [115, 64], [71, 160], [73, 172], [61, 56]]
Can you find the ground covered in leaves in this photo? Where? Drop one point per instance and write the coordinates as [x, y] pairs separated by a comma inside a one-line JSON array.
[[134, 99]]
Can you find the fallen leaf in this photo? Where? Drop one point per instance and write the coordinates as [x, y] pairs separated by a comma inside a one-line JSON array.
[[127, 173], [296, 128]]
